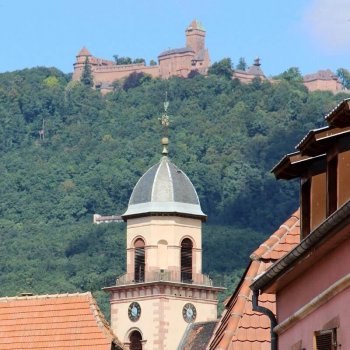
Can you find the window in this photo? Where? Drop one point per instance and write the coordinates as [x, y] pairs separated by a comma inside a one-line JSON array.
[[139, 260], [135, 340], [326, 340], [186, 260]]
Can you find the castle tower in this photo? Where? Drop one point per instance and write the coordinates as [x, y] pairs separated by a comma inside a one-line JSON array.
[[82, 56], [163, 289], [195, 36]]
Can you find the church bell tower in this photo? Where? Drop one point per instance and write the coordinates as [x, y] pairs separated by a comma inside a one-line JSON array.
[[163, 289]]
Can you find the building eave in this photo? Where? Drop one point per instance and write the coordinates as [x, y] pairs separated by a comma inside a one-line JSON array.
[[267, 282], [293, 165], [318, 141], [340, 115]]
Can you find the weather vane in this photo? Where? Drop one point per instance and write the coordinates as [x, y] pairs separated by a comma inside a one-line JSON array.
[[164, 120]]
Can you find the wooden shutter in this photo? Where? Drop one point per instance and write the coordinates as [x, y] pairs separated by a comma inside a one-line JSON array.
[[326, 340]]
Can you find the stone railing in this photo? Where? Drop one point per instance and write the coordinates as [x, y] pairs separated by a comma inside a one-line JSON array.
[[166, 276]]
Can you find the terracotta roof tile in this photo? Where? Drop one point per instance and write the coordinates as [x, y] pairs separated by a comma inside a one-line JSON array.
[[241, 328], [84, 52], [61, 321]]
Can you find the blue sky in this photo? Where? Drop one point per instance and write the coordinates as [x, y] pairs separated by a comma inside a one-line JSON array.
[[309, 34]]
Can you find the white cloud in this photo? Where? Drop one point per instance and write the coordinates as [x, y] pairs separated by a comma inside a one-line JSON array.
[[328, 21]]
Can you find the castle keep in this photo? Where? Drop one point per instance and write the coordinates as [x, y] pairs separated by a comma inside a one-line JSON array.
[[176, 62]]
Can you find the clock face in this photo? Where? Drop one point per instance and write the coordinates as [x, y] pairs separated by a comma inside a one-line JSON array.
[[189, 312], [134, 311]]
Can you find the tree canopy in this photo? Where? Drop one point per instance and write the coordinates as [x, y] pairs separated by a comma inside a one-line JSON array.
[[222, 68], [225, 135]]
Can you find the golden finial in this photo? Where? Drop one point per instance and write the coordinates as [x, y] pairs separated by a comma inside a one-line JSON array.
[[164, 120]]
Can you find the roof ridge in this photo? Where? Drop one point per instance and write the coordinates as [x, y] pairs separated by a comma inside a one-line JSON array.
[[44, 296], [270, 243]]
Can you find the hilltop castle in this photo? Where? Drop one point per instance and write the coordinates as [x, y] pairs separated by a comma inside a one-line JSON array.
[[176, 62], [194, 57]]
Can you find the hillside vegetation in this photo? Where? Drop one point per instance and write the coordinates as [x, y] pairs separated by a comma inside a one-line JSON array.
[[226, 137]]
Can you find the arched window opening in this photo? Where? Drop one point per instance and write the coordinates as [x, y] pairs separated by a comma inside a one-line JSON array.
[[135, 340], [139, 260], [186, 260]]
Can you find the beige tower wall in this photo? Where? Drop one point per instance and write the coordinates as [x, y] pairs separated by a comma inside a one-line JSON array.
[[161, 323], [163, 236]]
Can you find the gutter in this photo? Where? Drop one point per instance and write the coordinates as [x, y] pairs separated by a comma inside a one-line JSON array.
[[270, 315], [339, 219]]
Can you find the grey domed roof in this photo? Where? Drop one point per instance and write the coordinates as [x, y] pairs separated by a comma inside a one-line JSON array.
[[164, 189]]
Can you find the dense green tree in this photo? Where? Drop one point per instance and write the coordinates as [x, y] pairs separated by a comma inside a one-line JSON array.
[[139, 60], [344, 76], [242, 65], [86, 76], [291, 74], [193, 73], [225, 135], [152, 63], [135, 79], [222, 68]]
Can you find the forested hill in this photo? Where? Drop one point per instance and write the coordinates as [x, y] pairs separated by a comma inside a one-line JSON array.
[[226, 137]]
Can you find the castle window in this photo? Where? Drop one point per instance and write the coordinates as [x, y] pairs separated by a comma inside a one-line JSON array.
[[186, 260], [135, 340], [139, 260]]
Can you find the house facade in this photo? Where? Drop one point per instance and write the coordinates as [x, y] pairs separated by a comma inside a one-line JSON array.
[[312, 281]]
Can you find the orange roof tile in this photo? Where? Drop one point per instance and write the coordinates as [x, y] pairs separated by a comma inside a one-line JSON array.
[[61, 321], [241, 328]]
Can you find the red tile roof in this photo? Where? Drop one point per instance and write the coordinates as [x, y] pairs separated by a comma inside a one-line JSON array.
[[84, 52], [61, 321], [241, 328]]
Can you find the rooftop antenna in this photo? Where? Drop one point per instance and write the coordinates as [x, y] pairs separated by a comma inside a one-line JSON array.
[[164, 120], [42, 131]]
